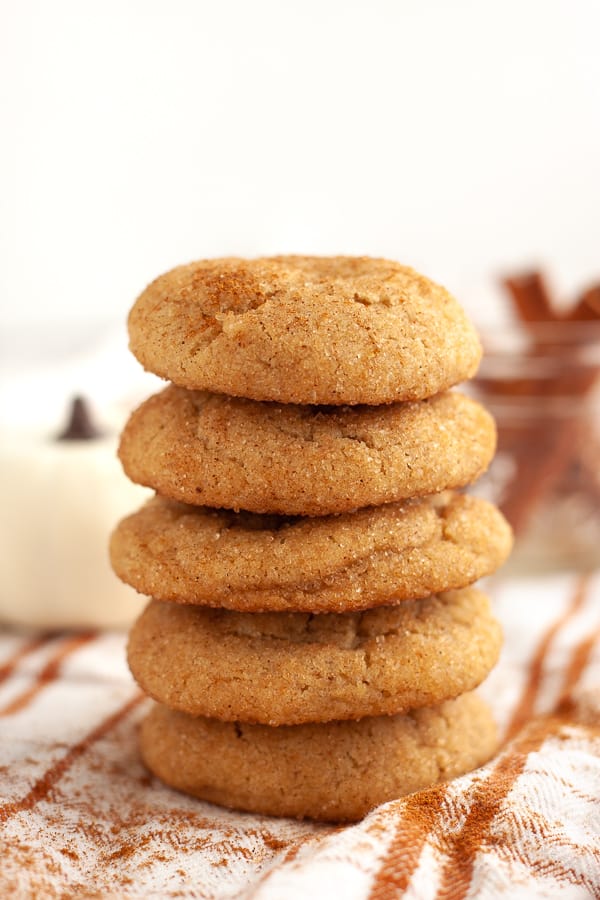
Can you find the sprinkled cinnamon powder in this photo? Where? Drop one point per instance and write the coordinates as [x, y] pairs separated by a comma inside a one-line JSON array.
[[82, 818]]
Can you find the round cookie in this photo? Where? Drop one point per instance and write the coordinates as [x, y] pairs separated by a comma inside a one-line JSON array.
[[373, 557], [300, 329], [291, 668], [212, 450], [336, 771]]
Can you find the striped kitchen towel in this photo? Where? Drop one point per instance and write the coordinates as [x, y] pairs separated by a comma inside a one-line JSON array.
[[81, 818]]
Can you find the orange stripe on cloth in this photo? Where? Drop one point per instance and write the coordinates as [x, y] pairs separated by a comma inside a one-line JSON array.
[[418, 817], [49, 673], [7, 668], [526, 705], [579, 663], [488, 798], [421, 812], [490, 794], [49, 779]]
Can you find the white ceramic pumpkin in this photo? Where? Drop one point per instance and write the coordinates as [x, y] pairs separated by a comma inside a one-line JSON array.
[[60, 500]]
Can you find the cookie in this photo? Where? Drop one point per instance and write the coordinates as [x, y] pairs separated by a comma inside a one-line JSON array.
[[336, 771], [298, 329], [212, 450], [251, 563], [291, 668]]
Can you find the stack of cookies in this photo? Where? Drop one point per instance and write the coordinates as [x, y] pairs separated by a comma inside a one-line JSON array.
[[313, 640]]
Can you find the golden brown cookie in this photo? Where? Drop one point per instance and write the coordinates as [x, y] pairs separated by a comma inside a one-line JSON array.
[[298, 329], [291, 668], [336, 771], [212, 450], [373, 557]]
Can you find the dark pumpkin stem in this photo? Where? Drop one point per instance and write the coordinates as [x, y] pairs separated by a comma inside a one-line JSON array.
[[80, 426]]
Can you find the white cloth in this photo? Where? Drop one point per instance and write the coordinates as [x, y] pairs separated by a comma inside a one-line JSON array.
[[80, 817]]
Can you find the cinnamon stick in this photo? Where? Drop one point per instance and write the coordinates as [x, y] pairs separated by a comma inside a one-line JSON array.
[[588, 307], [543, 447], [530, 297]]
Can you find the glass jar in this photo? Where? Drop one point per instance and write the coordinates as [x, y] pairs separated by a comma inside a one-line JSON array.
[[541, 382]]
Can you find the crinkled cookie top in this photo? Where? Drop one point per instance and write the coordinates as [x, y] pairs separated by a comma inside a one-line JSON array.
[[300, 329]]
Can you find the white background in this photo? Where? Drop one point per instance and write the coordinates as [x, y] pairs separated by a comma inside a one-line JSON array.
[[458, 136]]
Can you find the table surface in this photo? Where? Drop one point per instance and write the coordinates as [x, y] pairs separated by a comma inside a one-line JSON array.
[[80, 817]]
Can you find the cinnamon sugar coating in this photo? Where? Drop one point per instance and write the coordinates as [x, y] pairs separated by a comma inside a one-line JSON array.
[[292, 668], [212, 450], [246, 562], [311, 640], [336, 771], [301, 329]]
